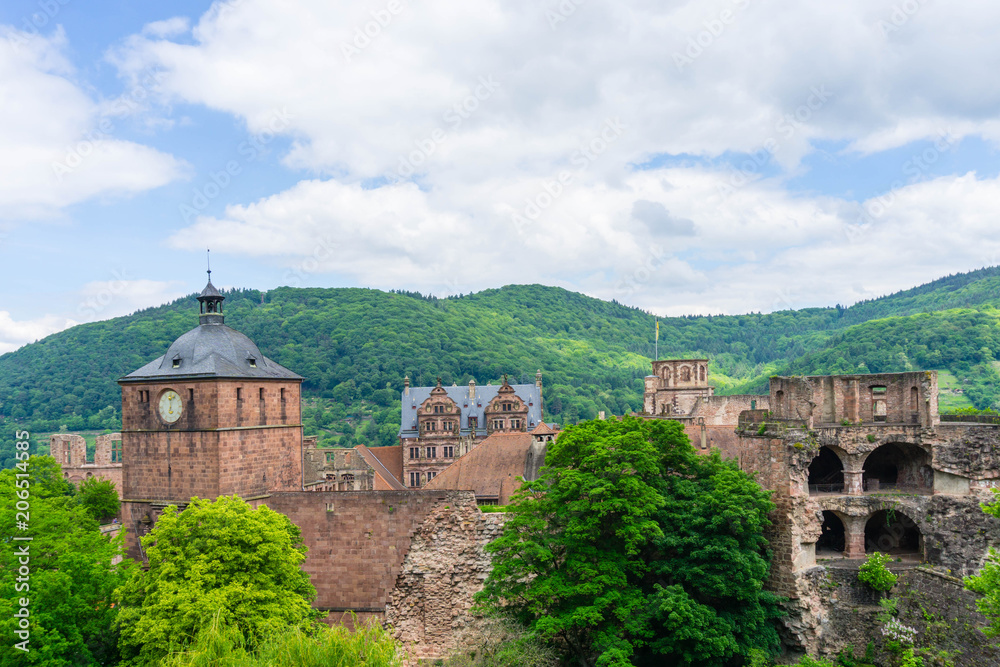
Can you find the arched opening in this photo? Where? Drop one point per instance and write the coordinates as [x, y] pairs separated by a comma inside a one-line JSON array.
[[898, 466], [826, 472], [893, 533], [778, 409], [833, 538]]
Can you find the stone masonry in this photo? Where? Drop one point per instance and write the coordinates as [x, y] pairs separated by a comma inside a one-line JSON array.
[[861, 464], [446, 565], [70, 451]]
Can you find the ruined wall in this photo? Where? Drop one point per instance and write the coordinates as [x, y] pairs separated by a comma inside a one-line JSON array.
[[929, 599], [900, 398], [357, 540], [70, 451], [444, 568]]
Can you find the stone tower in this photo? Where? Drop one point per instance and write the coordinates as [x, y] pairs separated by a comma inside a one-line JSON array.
[[211, 417]]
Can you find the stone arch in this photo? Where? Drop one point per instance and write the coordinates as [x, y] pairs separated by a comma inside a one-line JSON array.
[[893, 532], [898, 465], [826, 472], [833, 535]]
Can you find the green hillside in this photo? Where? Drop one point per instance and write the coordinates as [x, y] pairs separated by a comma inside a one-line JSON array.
[[354, 346]]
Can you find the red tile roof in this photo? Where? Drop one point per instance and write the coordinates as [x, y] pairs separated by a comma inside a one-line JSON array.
[[491, 470], [384, 461]]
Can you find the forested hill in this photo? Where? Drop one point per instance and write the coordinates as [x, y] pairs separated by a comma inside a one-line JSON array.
[[355, 345]]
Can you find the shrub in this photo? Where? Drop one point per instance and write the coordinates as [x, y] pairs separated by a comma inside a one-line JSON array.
[[874, 573], [222, 643], [500, 641]]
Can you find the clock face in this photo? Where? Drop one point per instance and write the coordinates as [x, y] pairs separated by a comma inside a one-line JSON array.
[[170, 406]]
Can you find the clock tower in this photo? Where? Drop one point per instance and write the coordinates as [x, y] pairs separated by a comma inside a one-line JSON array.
[[211, 417]]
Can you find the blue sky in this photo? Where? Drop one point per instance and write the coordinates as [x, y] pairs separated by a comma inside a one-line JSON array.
[[684, 157]]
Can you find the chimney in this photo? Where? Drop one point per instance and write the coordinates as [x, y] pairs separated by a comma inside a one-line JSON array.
[[472, 389], [406, 386]]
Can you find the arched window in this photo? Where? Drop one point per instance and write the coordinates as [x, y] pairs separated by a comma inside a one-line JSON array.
[[833, 538], [826, 472], [898, 466], [685, 374], [894, 533]]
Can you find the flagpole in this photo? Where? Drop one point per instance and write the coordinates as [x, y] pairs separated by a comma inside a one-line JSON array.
[[656, 349]]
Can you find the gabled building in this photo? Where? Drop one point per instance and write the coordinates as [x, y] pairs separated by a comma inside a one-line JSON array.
[[440, 424]]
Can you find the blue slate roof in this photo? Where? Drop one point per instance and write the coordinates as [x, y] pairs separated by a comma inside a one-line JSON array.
[[529, 393], [212, 351]]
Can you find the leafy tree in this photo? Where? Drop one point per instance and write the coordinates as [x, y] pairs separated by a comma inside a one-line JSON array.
[[72, 572], [99, 498], [214, 557], [633, 548]]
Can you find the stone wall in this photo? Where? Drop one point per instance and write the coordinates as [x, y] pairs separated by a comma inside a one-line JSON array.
[[901, 398], [429, 608], [357, 540], [934, 602], [70, 451]]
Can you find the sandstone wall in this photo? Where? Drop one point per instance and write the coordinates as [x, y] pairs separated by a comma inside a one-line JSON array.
[[444, 568], [357, 540], [932, 601]]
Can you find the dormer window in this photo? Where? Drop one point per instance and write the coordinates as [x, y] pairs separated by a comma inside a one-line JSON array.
[[252, 361], [176, 363]]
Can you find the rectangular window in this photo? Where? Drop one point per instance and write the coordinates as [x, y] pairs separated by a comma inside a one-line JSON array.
[[190, 394], [449, 452], [262, 393], [414, 452], [116, 451], [239, 394], [414, 479], [432, 452], [330, 457], [431, 475], [282, 393]]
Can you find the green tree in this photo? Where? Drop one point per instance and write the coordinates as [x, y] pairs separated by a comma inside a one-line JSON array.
[[219, 557], [72, 572], [99, 498], [632, 548]]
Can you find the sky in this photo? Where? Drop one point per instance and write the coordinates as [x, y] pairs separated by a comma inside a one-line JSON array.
[[684, 157]]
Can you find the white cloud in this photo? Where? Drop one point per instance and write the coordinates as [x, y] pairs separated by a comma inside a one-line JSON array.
[[484, 105], [58, 150], [752, 249], [15, 333], [98, 300]]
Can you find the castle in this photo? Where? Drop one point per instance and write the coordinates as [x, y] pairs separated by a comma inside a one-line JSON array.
[[856, 464]]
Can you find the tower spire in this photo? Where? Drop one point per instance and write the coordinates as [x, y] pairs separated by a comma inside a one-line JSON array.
[[211, 300]]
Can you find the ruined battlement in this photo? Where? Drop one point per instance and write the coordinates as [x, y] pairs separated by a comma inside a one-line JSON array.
[[70, 452], [892, 398]]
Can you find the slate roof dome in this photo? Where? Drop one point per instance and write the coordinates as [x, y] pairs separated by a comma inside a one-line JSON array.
[[212, 350]]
